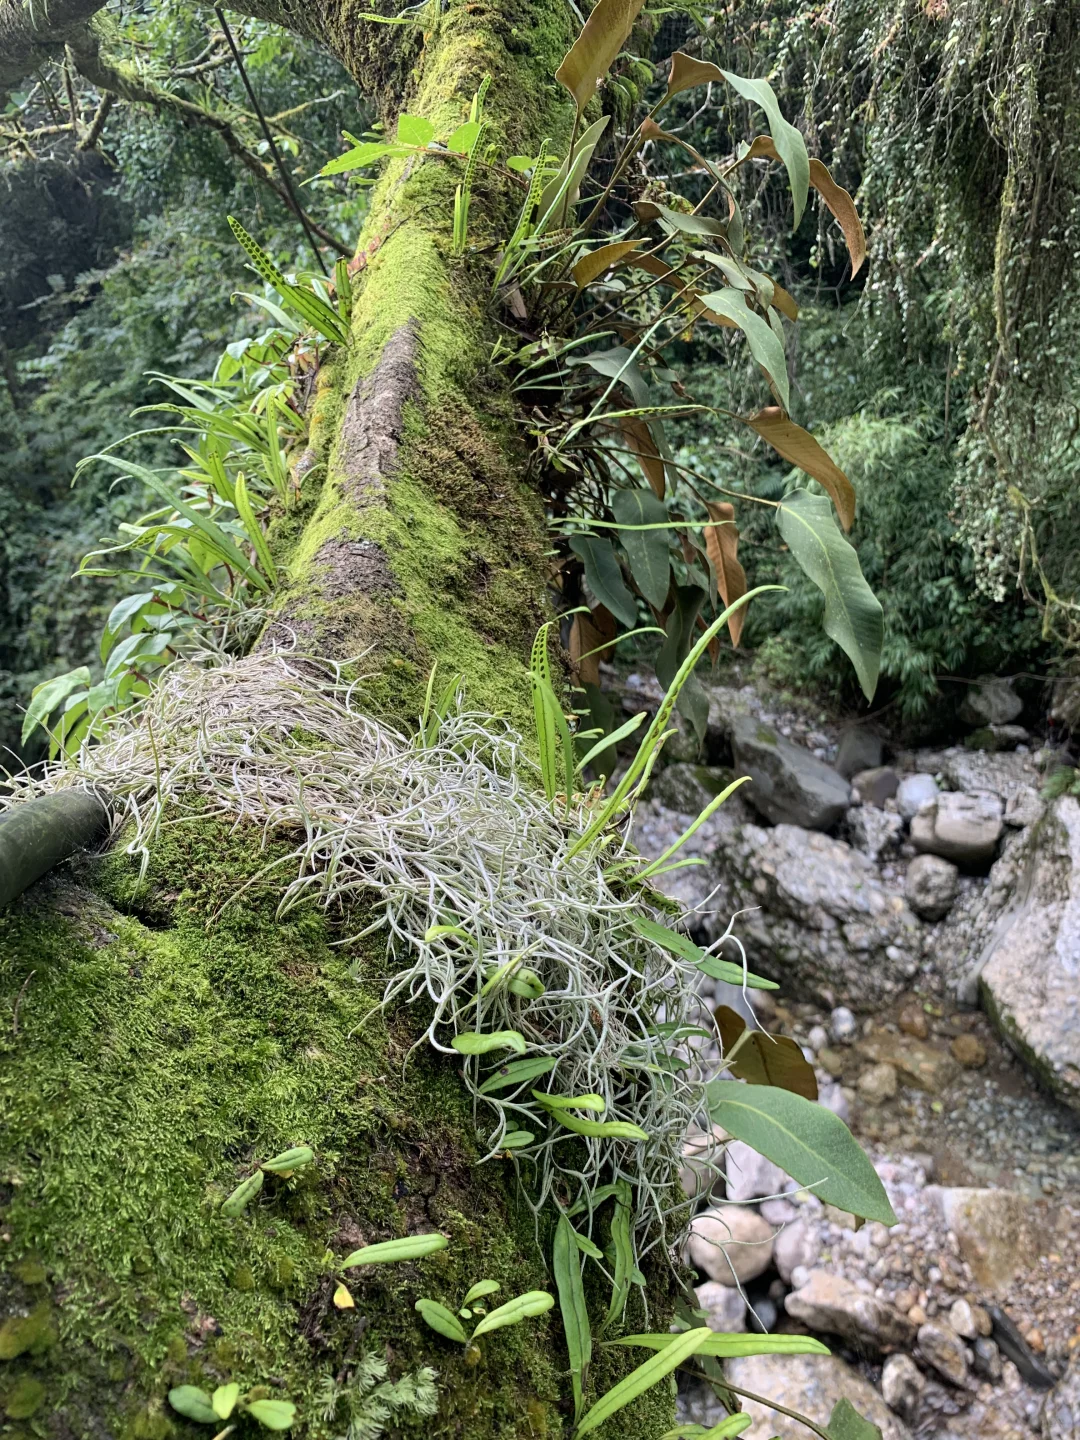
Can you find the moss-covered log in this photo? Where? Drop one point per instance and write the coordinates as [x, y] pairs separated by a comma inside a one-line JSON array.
[[162, 1047]]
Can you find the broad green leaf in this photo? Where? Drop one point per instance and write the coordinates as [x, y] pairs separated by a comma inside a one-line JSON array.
[[290, 1160], [604, 578], [593, 52], [473, 1043], [441, 1320], [194, 1404], [594, 264], [566, 1264], [799, 446], [48, 695], [644, 1377], [789, 142], [603, 755], [678, 944], [845, 1423], [522, 1307], [808, 1142], [647, 550], [764, 345], [700, 225], [517, 1139], [480, 1289], [409, 1247], [517, 1072], [273, 1414], [224, 1400], [464, 137], [414, 130], [242, 1196], [731, 1347], [853, 615], [618, 363], [123, 611]]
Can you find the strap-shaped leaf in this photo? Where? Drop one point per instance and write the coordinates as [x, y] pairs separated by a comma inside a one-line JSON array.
[[522, 1307], [644, 1377], [789, 142], [799, 446], [472, 1042], [593, 52], [647, 550], [49, 694], [408, 1247], [441, 1320], [731, 1347], [517, 1073], [566, 1264], [678, 944], [765, 347], [853, 616]]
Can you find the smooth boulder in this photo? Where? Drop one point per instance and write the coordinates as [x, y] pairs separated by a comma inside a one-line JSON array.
[[731, 1244], [990, 701], [930, 886], [812, 1385], [962, 828], [788, 784]]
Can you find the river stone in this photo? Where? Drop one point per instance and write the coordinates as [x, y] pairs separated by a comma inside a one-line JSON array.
[[962, 828], [1061, 1410], [913, 792], [941, 1347], [996, 1230], [834, 1306], [750, 1176], [788, 784], [731, 1243], [919, 1065], [812, 1384], [1030, 979], [877, 785], [688, 788], [724, 1306], [797, 1244], [702, 1168], [902, 1386], [931, 886], [873, 831], [878, 1083], [817, 917], [990, 701], [859, 749]]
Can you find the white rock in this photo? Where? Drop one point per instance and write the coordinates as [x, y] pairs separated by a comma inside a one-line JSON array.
[[724, 1306], [797, 1244], [962, 1320], [702, 1168], [902, 1385], [834, 1306], [913, 791], [750, 1176], [811, 1384], [843, 1025], [942, 1348], [730, 1243]]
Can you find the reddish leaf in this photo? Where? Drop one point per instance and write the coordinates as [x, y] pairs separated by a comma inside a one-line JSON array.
[[722, 546], [593, 265], [686, 72], [591, 633], [766, 1059], [640, 440], [593, 52], [799, 446], [835, 196]]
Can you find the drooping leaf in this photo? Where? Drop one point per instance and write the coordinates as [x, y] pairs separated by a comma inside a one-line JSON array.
[[409, 1247], [764, 345], [590, 57], [835, 197], [441, 1320], [845, 1423], [604, 578], [644, 1377], [808, 1142], [566, 1265], [722, 548], [254, 529], [591, 266], [595, 1129], [224, 1400], [273, 1414], [686, 73], [618, 363], [678, 944], [853, 615], [687, 224], [560, 193], [641, 439], [414, 130], [517, 1073], [242, 1196], [361, 155], [48, 695], [591, 635], [789, 142], [692, 703], [471, 1042], [766, 1059], [799, 446], [290, 1160], [193, 1404], [731, 1347], [647, 550], [522, 1307]]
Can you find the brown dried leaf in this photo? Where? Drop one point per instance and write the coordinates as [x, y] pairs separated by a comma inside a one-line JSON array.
[[799, 446], [640, 440], [593, 52], [835, 196], [593, 265], [591, 633], [722, 546], [686, 72], [766, 1059]]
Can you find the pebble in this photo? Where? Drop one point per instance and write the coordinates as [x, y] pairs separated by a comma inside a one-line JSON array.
[[986, 1358], [818, 1038], [941, 1347], [878, 1083], [962, 1319], [842, 1025], [912, 1021], [969, 1051], [902, 1385]]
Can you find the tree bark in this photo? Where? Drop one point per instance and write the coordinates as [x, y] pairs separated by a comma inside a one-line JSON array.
[[163, 1046]]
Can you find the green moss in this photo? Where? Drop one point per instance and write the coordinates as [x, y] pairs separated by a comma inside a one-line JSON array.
[[30, 1334], [24, 1399]]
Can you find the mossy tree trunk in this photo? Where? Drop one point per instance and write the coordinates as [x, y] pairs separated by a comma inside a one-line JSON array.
[[150, 1053]]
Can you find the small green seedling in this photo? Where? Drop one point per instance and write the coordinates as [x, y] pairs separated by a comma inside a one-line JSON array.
[[283, 1165], [204, 1409], [444, 1322], [409, 1247]]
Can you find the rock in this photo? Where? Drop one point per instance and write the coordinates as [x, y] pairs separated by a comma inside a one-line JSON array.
[[842, 1025], [996, 1231], [912, 1021], [962, 1320], [1023, 807], [987, 1359], [913, 792], [724, 1306], [941, 1347], [818, 918], [702, 1168], [969, 1051], [834, 1306], [811, 1384], [688, 788], [917, 1064], [788, 785], [961, 828], [750, 1176], [873, 831], [902, 1386], [818, 1038], [931, 886], [877, 785], [990, 701], [997, 737], [859, 749], [779, 1211], [1061, 1410], [878, 1083], [731, 1243], [797, 1244], [1030, 979], [832, 1061]]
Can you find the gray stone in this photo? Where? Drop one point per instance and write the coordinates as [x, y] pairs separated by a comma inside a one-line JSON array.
[[997, 1230], [941, 1347], [873, 831], [922, 1066], [702, 1167], [1030, 979], [834, 1306], [990, 701], [724, 1306], [788, 785], [859, 749], [1061, 1410], [902, 1386], [931, 885], [914, 791], [817, 916], [878, 1083], [812, 1385], [1024, 807], [842, 1025], [962, 828], [730, 1243], [987, 1358], [877, 785], [962, 1319], [688, 788], [750, 1176], [798, 1243]]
